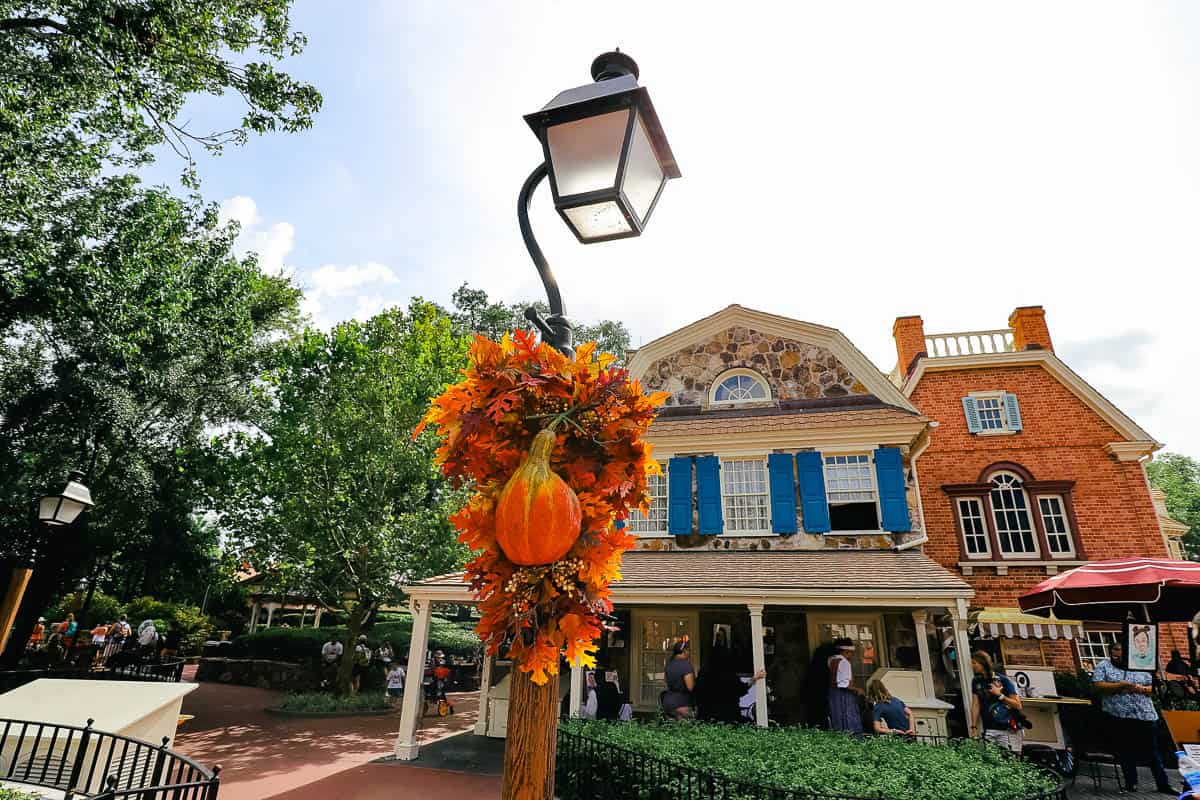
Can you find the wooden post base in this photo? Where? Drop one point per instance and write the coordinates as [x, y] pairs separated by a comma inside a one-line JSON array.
[[532, 736]]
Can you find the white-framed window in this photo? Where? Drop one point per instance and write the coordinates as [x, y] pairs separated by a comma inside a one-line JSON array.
[[739, 386], [1175, 548], [745, 495], [974, 526], [1054, 522], [1092, 647], [654, 521], [991, 413], [850, 492], [1010, 511]]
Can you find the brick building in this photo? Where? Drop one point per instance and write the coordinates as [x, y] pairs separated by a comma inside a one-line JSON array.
[[1028, 471]]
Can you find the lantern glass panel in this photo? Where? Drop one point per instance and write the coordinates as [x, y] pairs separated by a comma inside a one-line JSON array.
[[643, 174], [597, 220], [584, 154]]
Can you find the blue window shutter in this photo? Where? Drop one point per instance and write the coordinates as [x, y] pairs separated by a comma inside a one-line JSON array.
[[1012, 411], [619, 524], [783, 493], [708, 494], [679, 496], [813, 506], [893, 505], [972, 415]]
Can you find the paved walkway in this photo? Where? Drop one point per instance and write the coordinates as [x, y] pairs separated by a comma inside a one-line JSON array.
[[264, 757]]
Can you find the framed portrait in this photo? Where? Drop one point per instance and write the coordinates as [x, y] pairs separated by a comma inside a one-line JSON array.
[[722, 635], [1141, 646], [768, 640], [616, 639]]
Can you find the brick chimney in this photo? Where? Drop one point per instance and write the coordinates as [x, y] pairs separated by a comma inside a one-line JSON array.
[[1029, 329], [909, 333]]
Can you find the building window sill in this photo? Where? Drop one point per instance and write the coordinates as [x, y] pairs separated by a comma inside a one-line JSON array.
[[1001, 567], [1004, 432]]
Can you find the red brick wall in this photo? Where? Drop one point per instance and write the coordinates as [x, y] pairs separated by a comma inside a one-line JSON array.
[[1062, 439]]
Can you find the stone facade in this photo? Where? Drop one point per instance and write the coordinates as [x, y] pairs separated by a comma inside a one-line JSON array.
[[259, 672], [794, 370]]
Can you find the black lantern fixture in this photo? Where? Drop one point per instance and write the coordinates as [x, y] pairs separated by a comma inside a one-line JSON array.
[[65, 507], [608, 161]]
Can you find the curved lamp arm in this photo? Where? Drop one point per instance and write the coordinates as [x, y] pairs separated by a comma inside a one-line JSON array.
[[555, 329]]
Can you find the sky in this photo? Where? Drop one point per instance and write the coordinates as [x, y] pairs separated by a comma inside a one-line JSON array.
[[843, 163]]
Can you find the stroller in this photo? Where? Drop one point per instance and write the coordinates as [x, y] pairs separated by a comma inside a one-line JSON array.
[[434, 684]]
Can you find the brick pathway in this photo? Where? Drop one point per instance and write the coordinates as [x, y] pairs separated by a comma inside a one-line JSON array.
[[264, 757]]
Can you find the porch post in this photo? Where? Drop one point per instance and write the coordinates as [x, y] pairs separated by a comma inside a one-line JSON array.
[[254, 616], [303, 612], [919, 617], [485, 684], [576, 690], [317, 619], [962, 647], [760, 663], [270, 613], [412, 704]]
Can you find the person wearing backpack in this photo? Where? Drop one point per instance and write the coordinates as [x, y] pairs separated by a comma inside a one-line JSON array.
[[362, 660]]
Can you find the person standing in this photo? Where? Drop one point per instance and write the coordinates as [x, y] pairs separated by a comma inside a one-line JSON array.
[[362, 661], [1125, 698], [719, 689], [844, 712], [997, 705], [681, 682], [331, 654], [395, 682], [99, 637]]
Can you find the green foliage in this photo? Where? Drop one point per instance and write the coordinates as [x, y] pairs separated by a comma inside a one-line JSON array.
[[302, 644], [1075, 684], [196, 627], [475, 313], [326, 703], [103, 608], [1179, 478], [807, 759], [9, 793]]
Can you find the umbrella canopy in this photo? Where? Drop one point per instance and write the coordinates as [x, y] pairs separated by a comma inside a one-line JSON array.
[[1157, 589]]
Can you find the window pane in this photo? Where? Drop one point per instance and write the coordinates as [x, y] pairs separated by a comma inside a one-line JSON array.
[[656, 520], [991, 415], [744, 495], [1011, 514], [1054, 520], [848, 479], [740, 388], [1093, 647], [974, 530]]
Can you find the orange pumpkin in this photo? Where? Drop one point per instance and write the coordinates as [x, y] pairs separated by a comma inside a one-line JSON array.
[[538, 516]]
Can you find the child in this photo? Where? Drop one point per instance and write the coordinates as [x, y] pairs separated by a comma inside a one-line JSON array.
[[395, 683]]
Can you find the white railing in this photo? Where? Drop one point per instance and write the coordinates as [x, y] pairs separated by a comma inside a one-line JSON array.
[[969, 343]]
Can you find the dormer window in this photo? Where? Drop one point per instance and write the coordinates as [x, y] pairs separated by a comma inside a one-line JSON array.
[[739, 386]]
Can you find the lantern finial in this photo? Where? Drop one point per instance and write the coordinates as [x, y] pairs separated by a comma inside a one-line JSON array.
[[614, 64]]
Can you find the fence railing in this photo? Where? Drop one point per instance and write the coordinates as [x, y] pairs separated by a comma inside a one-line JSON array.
[[589, 769], [87, 763], [164, 671]]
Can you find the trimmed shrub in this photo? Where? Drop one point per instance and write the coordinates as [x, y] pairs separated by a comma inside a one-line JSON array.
[[811, 760], [303, 644], [327, 703]]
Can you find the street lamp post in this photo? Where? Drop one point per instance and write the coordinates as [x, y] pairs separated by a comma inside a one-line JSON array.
[[607, 159], [54, 511]]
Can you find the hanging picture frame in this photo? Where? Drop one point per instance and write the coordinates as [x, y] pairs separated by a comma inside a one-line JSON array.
[[1141, 646]]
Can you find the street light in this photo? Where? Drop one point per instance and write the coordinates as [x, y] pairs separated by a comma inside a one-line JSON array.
[[63, 508], [608, 160]]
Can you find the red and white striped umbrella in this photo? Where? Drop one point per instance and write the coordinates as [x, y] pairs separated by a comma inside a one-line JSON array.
[[1157, 589]]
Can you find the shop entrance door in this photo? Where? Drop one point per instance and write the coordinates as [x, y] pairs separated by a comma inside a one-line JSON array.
[[655, 633]]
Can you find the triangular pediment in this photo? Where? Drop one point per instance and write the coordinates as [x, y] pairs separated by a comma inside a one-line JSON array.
[[798, 360]]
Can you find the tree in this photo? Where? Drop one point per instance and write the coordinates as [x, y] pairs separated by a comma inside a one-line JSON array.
[[151, 334], [475, 313], [331, 485], [1178, 476]]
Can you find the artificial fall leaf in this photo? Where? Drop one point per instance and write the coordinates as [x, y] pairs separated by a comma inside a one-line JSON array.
[[510, 391]]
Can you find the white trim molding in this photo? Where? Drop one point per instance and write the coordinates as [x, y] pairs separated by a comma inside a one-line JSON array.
[[1131, 451], [734, 315], [1123, 424]]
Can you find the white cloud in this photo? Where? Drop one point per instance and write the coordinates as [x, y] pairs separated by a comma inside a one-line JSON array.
[[272, 242], [335, 280]]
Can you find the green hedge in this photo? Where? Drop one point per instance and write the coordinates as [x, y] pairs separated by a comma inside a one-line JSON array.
[[300, 644], [835, 764], [326, 703]]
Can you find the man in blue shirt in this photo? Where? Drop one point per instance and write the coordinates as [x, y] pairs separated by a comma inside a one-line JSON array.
[[1125, 698]]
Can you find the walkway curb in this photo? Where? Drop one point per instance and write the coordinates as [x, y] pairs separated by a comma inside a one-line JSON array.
[[282, 712]]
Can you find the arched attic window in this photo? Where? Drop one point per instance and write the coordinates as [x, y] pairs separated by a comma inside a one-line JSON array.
[[739, 386]]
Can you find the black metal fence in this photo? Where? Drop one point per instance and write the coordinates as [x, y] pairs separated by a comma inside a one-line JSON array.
[[87, 763], [164, 671], [588, 769]]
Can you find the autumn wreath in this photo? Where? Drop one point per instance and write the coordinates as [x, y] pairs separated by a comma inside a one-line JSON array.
[[520, 401]]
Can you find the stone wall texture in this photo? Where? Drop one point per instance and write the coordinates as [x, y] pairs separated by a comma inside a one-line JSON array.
[[794, 370]]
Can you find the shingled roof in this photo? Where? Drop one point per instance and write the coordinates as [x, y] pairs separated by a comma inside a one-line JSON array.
[[746, 421]]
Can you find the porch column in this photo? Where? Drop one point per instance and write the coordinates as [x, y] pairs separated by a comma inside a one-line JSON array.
[[485, 684], [412, 704], [271, 612], [760, 663], [962, 647], [576, 690], [919, 617], [303, 612], [254, 616], [317, 619]]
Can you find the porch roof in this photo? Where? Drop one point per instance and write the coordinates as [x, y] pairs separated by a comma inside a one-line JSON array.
[[814, 577], [762, 420]]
